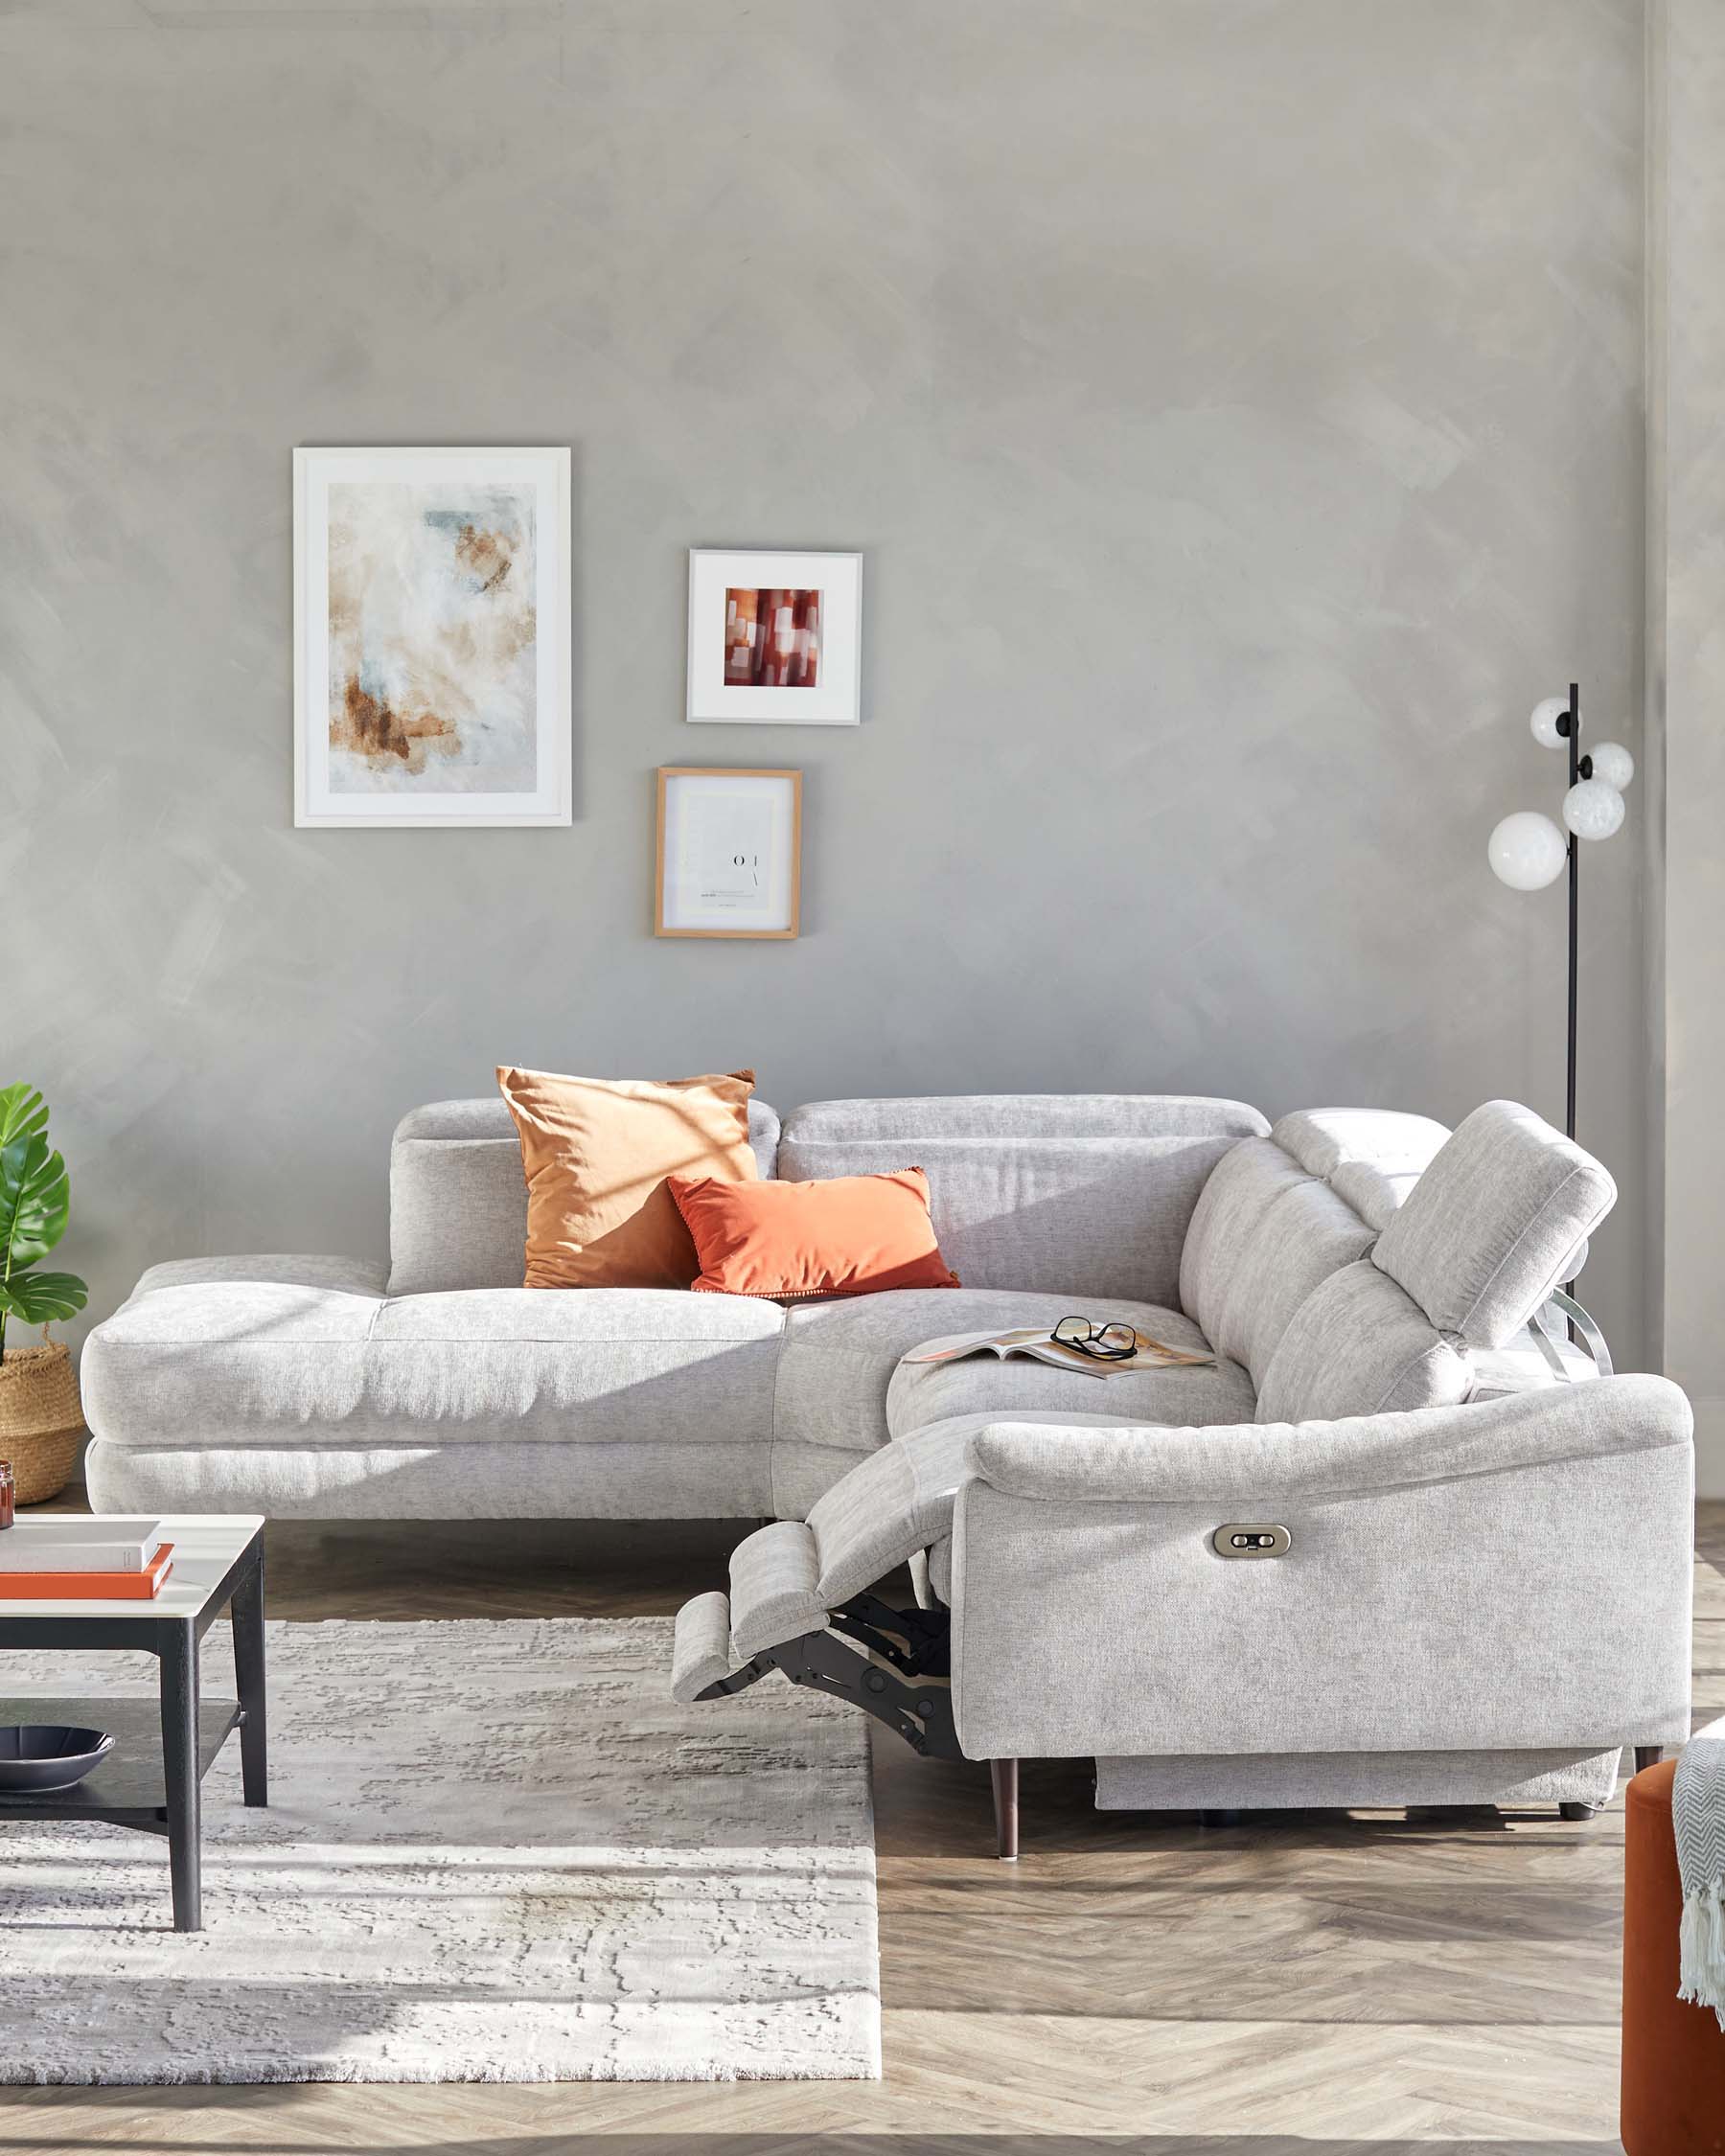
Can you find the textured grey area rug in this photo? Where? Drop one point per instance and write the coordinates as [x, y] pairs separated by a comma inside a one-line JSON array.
[[494, 1852]]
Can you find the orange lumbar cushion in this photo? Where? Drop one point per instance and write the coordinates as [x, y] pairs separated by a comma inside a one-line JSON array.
[[596, 1154], [850, 1235]]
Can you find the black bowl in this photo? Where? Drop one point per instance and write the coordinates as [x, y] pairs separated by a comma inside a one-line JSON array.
[[38, 1757]]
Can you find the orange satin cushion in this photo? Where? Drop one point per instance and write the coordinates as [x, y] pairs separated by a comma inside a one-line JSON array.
[[596, 1154], [850, 1235]]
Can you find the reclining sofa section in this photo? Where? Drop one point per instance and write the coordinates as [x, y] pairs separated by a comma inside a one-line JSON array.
[[1375, 1589]]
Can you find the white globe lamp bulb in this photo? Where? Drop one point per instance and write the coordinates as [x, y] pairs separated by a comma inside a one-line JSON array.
[[1613, 762], [1543, 721], [1593, 810], [1526, 851]]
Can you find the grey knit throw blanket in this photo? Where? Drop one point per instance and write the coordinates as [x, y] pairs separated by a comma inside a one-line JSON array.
[[1698, 1815]]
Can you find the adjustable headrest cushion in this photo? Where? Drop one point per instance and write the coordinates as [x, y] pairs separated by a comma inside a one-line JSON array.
[[1494, 1223], [1370, 1156]]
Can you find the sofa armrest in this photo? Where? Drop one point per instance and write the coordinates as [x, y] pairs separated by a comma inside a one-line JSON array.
[[1243, 1461], [1513, 1574], [199, 1341], [332, 1275]]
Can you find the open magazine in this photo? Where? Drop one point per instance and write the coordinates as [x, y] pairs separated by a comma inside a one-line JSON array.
[[1035, 1342]]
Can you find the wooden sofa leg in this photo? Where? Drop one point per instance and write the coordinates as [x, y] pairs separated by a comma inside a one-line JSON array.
[[1648, 1756], [1005, 1775]]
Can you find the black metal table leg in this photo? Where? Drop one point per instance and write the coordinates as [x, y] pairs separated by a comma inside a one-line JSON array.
[[247, 1610], [178, 1652]]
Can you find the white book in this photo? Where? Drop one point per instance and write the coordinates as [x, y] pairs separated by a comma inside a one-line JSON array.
[[78, 1545]]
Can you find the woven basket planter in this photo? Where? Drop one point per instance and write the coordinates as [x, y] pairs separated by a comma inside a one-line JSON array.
[[41, 1419]]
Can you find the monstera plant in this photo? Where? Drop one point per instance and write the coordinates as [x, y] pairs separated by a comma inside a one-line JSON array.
[[41, 1420], [35, 1201]]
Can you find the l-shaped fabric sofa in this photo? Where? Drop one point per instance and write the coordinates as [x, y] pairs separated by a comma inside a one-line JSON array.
[[1474, 1580]]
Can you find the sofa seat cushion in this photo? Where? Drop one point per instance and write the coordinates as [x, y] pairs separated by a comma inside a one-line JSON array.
[[234, 1361], [840, 1358], [1221, 1391]]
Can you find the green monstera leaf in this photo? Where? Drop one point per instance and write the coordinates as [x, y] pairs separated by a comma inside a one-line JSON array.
[[23, 1113], [42, 1298], [34, 1200]]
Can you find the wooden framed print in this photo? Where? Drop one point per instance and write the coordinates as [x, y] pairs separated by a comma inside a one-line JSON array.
[[432, 637], [729, 852], [775, 639]]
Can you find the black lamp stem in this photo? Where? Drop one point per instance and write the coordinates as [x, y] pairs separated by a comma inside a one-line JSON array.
[[1572, 726], [1574, 731]]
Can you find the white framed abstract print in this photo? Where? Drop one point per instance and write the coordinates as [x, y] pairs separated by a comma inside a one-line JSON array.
[[729, 852], [432, 637], [775, 639]]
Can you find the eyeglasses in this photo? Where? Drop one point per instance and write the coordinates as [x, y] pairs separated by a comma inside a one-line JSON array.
[[1103, 1343]]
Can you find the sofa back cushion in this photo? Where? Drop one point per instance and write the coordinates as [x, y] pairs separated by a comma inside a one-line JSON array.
[[1496, 1221], [1086, 1195], [458, 1197], [1360, 1347], [1280, 1215], [1481, 1235]]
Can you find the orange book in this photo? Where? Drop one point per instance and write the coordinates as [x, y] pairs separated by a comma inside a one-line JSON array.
[[89, 1586]]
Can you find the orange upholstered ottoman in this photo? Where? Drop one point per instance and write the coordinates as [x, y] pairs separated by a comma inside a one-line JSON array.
[[1673, 2086]]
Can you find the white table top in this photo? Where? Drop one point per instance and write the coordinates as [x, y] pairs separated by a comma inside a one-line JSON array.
[[205, 1543]]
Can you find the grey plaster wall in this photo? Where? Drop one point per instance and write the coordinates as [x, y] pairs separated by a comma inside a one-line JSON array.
[[1686, 690], [1238, 401]]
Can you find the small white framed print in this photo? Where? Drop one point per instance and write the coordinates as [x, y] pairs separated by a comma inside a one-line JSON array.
[[430, 637], [775, 639], [729, 852]]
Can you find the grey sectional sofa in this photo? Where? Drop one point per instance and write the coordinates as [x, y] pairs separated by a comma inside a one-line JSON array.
[[1480, 1581]]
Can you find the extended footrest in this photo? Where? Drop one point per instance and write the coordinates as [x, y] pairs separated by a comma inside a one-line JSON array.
[[775, 1596], [700, 1655], [773, 1619], [776, 1587]]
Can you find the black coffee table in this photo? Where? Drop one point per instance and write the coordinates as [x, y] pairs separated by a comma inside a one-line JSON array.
[[150, 1780]]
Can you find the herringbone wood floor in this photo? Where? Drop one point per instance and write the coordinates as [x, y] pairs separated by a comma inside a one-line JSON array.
[[1361, 1986]]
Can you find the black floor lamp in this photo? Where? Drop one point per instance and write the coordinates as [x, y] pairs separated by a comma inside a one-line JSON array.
[[1526, 850]]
